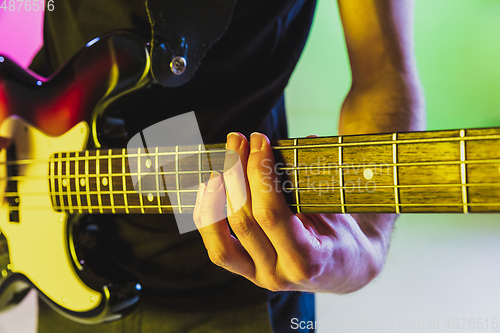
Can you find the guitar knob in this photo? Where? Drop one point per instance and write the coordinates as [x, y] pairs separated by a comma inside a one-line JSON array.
[[178, 65]]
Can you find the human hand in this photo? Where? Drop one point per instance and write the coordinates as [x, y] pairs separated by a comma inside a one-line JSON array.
[[275, 248]]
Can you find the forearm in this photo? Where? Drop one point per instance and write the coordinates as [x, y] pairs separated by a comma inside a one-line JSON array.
[[386, 95]]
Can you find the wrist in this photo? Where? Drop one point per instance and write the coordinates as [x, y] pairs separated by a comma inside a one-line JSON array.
[[391, 102]]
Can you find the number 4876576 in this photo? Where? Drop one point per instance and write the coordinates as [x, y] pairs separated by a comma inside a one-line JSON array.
[[26, 5]]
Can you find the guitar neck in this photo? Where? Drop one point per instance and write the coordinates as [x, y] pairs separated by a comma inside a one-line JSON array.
[[455, 171]]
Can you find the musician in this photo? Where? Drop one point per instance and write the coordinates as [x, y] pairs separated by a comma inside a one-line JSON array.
[[278, 258]]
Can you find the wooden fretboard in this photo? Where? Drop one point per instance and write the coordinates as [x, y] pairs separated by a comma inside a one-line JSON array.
[[456, 171]]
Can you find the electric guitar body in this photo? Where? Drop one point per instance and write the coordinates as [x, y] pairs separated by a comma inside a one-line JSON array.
[[41, 248]]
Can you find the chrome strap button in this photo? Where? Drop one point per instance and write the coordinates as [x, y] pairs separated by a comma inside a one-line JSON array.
[[178, 65]]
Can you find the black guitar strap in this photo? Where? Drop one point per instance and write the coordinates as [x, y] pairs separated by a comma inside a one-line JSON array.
[[182, 32]]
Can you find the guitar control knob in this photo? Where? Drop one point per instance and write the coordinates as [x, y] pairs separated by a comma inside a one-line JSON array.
[[178, 65]]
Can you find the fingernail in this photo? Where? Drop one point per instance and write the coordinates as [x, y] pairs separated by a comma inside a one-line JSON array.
[[256, 142], [215, 181], [214, 174], [234, 140]]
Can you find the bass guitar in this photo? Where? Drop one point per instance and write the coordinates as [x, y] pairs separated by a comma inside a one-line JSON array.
[[48, 175]]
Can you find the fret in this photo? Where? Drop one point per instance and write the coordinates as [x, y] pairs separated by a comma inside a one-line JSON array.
[[296, 175], [361, 182], [124, 182], [52, 181], [463, 175], [395, 172], [77, 184], [427, 172], [164, 183], [177, 180], [59, 182], [67, 181], [200, 165], [139, 180], [87, 187], [157, 178], [102, 179], [110, 181], [98, 180], [341, 178]]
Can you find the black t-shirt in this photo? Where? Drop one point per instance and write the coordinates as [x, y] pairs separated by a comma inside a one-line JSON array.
[[238, 87], [240, 80]]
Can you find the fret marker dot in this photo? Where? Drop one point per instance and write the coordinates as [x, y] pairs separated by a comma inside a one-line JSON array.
[[148, 163], [104, 181], [368, 173], [150, 197], [82, 181], [64, 182]]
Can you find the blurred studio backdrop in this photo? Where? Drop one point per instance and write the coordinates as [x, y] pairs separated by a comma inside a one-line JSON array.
[[442, 271]]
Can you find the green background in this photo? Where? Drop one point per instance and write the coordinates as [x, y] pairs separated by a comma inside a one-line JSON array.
[[457, 46], [440, 266]]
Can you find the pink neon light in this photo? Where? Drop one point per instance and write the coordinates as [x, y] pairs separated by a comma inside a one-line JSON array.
[[20, 33]]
